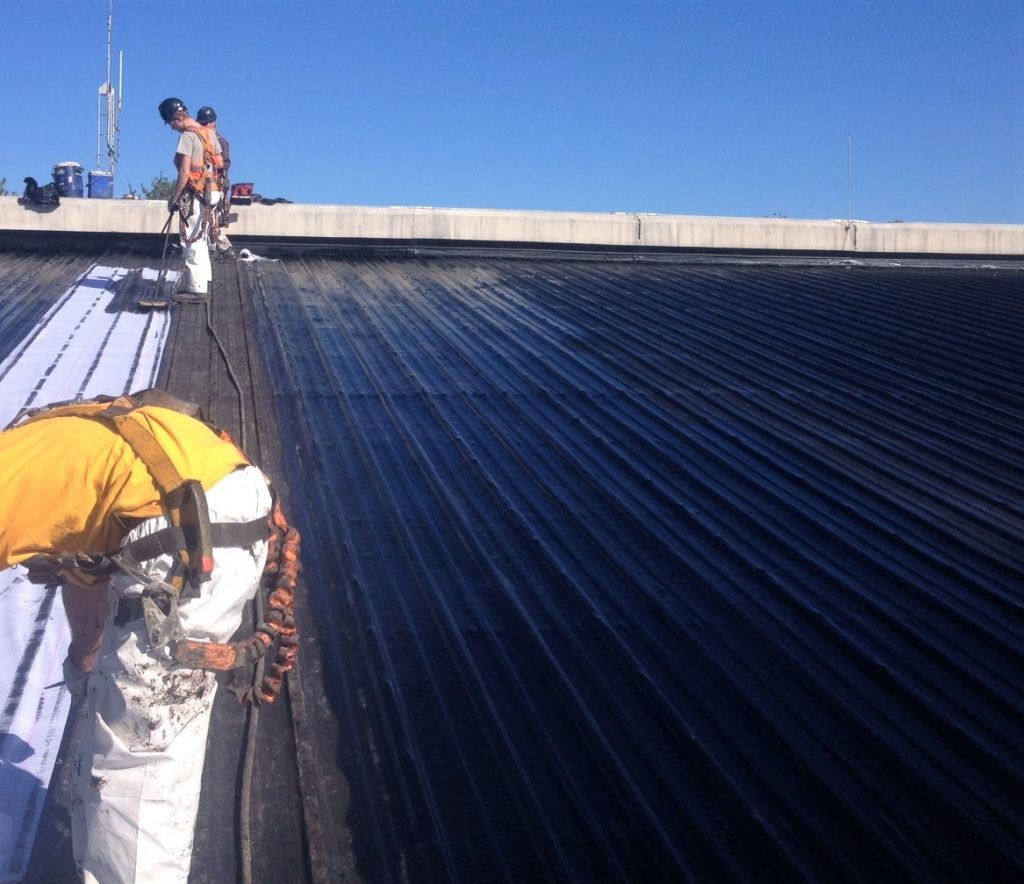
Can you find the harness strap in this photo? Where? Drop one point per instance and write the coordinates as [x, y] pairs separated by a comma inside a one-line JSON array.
[[178, 493], [172, 539], [207, 222], [183, 499], [148, 450], [167, 541], [142, 442]]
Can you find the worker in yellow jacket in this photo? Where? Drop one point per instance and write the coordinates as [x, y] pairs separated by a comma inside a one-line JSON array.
[[72, 484]]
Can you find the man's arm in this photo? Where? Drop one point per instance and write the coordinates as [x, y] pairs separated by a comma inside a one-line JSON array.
[[184, 163], [86, 608], [225, 150]]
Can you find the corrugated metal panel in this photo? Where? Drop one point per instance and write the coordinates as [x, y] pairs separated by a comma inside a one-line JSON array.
[[662, 571], [633, 570], [29, 285]]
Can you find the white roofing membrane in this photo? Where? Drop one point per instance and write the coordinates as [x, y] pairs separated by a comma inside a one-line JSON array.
[[79, 349]]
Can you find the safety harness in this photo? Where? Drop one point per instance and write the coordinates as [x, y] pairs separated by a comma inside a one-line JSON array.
[[191, 537], [213, 162], [203, 181]]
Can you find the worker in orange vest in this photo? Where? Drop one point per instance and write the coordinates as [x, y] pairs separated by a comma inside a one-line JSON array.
[[197, 158], [207, 116]]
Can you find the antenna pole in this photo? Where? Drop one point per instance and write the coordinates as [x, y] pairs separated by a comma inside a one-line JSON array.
[[117, 110], [108, 105], [849, 178], [110, 28]]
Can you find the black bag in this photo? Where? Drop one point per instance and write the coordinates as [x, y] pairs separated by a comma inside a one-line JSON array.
[[41, 196]]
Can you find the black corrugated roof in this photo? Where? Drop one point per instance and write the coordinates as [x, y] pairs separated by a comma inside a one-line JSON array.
[[637, 570]]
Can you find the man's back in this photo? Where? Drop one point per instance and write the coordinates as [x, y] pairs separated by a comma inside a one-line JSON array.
[[72, 483]]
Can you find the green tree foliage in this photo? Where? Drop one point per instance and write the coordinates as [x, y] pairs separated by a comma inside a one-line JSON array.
[[3, 188], [160, 188]]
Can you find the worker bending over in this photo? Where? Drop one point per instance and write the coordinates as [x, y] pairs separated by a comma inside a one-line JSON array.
[[93, 495], [198, 160]]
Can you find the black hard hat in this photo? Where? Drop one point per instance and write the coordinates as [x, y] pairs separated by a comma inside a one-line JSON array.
[[206, 115], [169, 107]]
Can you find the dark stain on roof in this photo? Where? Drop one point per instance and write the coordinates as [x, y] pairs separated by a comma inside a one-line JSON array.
[[635, 570]]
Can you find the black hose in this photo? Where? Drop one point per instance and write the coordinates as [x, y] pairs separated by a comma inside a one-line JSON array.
[[245, 795], [231, 372]]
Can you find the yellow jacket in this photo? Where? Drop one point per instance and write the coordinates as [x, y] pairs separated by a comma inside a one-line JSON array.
[[73, 484]]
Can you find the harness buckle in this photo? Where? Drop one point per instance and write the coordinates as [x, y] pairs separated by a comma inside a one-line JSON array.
[[162, 629]]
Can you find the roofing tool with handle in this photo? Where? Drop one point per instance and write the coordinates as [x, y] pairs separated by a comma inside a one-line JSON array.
[[158, 302]]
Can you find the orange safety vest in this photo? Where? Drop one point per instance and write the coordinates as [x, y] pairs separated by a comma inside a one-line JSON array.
[[212, 166]]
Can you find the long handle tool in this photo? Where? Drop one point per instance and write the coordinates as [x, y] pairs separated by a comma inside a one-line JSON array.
[[157, 302]]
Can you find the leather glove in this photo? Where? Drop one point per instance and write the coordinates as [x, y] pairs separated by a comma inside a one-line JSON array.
[[172, 206]]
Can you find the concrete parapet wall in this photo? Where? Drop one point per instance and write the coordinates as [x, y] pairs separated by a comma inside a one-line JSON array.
[[508, 227], [84, 216]]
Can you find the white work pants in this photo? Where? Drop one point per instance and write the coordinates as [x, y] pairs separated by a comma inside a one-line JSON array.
[[198, 271], [140, 764]]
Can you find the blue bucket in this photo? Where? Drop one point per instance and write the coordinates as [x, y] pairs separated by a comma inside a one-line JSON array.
[[101, 185], [68, 178]]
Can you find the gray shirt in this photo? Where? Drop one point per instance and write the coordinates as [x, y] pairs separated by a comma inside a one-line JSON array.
[[190, 144]]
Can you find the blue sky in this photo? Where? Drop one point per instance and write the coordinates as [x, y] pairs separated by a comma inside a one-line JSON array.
[[710, 108]]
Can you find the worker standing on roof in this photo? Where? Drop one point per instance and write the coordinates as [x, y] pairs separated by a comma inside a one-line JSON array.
[[207, 116], [196, 192], [84, 501]]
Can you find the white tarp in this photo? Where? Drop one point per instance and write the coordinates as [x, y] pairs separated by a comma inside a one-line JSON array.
[[77, 350]]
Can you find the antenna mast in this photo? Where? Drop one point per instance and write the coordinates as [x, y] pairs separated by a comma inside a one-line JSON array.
[[849, 178], [108, 106]]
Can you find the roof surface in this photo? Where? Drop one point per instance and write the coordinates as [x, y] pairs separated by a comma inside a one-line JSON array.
[[629, 570]]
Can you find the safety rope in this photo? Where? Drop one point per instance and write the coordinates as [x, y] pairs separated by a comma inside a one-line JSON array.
[[285, 567], [276, 625], [222, 214], [227, 364], [185, 209]]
